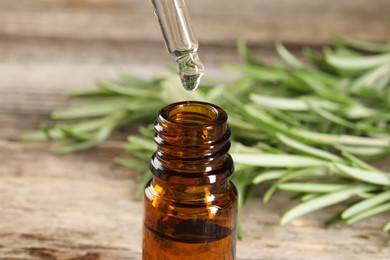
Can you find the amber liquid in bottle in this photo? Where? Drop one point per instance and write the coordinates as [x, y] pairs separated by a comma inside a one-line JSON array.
[[190, 204]]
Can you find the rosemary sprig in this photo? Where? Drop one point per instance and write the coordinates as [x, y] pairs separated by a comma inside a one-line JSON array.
[[310, 129]]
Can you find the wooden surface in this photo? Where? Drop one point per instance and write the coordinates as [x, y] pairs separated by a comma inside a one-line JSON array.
[[82, 206]]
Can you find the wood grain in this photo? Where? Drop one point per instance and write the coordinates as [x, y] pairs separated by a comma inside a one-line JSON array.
[[217, 22], [53, 206]]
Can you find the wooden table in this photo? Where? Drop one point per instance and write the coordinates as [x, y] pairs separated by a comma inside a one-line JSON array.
[[83, 206]]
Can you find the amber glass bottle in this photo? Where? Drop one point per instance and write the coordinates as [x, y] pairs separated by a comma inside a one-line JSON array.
[[190, 204]]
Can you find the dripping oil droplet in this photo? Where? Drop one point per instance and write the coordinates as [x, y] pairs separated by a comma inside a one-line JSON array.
[[191, 70]]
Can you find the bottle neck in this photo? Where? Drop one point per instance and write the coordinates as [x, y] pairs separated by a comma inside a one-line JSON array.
[[193, 144]]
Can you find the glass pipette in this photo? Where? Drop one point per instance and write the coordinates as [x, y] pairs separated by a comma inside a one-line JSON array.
[[180, 40]]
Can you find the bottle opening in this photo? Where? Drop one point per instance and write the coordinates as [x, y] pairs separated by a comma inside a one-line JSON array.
[[194, 114]]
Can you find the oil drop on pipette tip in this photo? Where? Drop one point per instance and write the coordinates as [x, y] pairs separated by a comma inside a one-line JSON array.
[[191, 70]]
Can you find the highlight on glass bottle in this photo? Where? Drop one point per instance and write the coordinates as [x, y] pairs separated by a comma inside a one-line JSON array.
[[190, 204]]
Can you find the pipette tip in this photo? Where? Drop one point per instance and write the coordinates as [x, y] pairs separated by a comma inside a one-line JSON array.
[[191, 70]]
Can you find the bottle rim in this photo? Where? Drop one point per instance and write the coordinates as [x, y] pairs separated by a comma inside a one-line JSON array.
[[193, 114]]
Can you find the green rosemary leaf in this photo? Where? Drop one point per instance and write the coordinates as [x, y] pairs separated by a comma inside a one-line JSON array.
[[279, 102], [146, 131], [288, 56], [246, 54], [369, 212], [369, 176], [242, 125], [310, 196], [240, 231], [129, 91], [307, 149], [298, 174], [266, 122], [341, 50], [364, 45], [386, 228], [317, 59], [263, 120], [367, 79], [322, 202], [43, 135], [313, 187], [267, 148], [264, 74], [101, 136], [289, 104], [132, 164], [268, 176], [359, 111], [51, 131], [140, 154], [287, 118], [78, 136], [93, 109], [322, 90], [354, 160], [357, 63], [331, 139], [143, 143], [276, 160], [366, 204], [329, 116], [365, 152]]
